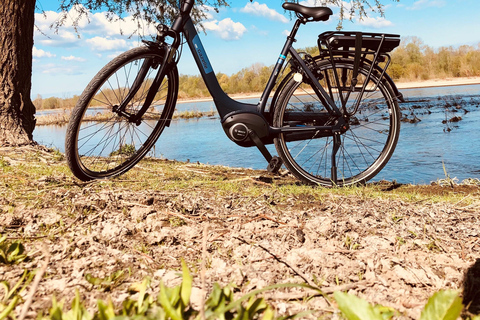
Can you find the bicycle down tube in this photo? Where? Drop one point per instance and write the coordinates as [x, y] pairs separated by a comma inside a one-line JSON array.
[[226, 105]]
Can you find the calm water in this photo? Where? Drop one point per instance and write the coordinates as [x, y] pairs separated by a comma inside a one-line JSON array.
[[423, 150]]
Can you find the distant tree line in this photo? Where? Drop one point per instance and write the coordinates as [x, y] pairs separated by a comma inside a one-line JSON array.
[[411, 61], [54, 102]]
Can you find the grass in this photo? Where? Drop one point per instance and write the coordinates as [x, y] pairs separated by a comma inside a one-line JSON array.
[[50, 170]]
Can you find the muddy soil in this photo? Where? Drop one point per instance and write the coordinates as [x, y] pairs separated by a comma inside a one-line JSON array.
[[260, 230]]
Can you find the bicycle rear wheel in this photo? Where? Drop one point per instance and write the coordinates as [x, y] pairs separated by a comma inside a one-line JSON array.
[[103, 142], [365, 148]]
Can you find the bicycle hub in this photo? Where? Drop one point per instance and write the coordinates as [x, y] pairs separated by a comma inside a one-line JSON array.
[[237, 127], [238, 132]]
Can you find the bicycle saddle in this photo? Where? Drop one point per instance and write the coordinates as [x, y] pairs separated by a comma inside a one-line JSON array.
[[314, 13]]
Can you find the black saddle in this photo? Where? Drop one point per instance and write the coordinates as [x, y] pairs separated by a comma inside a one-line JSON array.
[[309, 13]]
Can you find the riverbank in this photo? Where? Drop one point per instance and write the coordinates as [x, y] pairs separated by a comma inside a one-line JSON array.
[[438, 83], [401, 85], [390, 244]]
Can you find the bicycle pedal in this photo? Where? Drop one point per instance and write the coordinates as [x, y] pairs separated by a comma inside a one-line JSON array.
[[274, 165]]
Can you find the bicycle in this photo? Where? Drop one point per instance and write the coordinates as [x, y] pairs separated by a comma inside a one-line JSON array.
[[334, 118]]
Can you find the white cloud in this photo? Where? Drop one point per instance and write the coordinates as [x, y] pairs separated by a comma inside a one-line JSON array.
[[208, 11], [76, 31], [39, 53], [262, 10], [106, 44], [100, 23], [309, 3], [378, 22], [56, 69], [422, 4], [63, 38], [73, 58], [226, 29]]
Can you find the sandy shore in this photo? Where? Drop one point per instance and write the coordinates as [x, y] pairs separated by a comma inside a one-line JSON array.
[[438, 83]]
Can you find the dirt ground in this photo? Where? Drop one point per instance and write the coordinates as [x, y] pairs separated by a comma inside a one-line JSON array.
[[390, 244]]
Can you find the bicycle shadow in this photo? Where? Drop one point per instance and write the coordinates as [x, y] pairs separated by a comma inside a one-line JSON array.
[[471, 289]]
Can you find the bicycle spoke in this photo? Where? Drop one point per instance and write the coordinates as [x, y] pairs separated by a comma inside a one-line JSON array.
[[363, 145]]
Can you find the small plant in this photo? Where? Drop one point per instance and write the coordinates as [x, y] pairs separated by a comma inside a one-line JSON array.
[[12, 295], [350, 243], [443, 305], [174, 303], [11, 253], [396, 218], [110, 282], [354, 308], [433, 246], [3, 163], [451, 182], [57, 155], [124, 149], [77, 311], [176, 222]]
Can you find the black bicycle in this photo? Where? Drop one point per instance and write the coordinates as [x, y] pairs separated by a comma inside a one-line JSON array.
[[334, 118]]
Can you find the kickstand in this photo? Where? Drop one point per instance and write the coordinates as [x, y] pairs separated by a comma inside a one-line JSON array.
[[274, 163], [337, 142]]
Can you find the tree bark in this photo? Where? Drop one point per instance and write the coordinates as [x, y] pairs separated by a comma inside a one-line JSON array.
[[17, 120]]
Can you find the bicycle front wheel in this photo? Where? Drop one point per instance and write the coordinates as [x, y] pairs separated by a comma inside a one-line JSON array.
[[102, 140], [366, 147]]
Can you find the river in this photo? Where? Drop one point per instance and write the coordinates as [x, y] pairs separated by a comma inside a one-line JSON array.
[[425, 151]]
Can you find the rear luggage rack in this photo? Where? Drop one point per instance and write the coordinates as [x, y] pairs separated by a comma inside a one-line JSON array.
[[340, 42], [365, 49]]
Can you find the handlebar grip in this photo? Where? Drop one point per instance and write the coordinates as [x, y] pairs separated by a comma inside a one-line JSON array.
[[187, 6]]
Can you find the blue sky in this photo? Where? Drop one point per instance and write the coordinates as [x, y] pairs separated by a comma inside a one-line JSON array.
[[237, 36]]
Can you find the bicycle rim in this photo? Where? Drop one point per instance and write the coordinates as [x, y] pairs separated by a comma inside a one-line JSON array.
[[365, 148], [106, 143]]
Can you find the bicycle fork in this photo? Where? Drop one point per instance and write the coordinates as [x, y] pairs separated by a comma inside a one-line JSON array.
[[337, 142], [137, 84]]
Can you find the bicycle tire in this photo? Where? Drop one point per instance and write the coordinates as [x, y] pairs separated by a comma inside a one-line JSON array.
[[103, 144], [366, 146]]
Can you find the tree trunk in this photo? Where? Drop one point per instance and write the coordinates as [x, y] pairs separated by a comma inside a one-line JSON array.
[[17, 120]]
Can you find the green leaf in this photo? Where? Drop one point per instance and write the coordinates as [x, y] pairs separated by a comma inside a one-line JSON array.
[[93, 280], [354, 308], [300, 315], [5, 312], [142, 295], [236, 303], [56, 311], [165, 302], [186, 288], [386, 312], [15, 249], [13, 253], [6, 290], [269, 314], [255, 306], [443, 305], [105, 311]]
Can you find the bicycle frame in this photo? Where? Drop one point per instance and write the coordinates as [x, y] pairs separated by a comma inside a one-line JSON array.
[[227, 106]]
